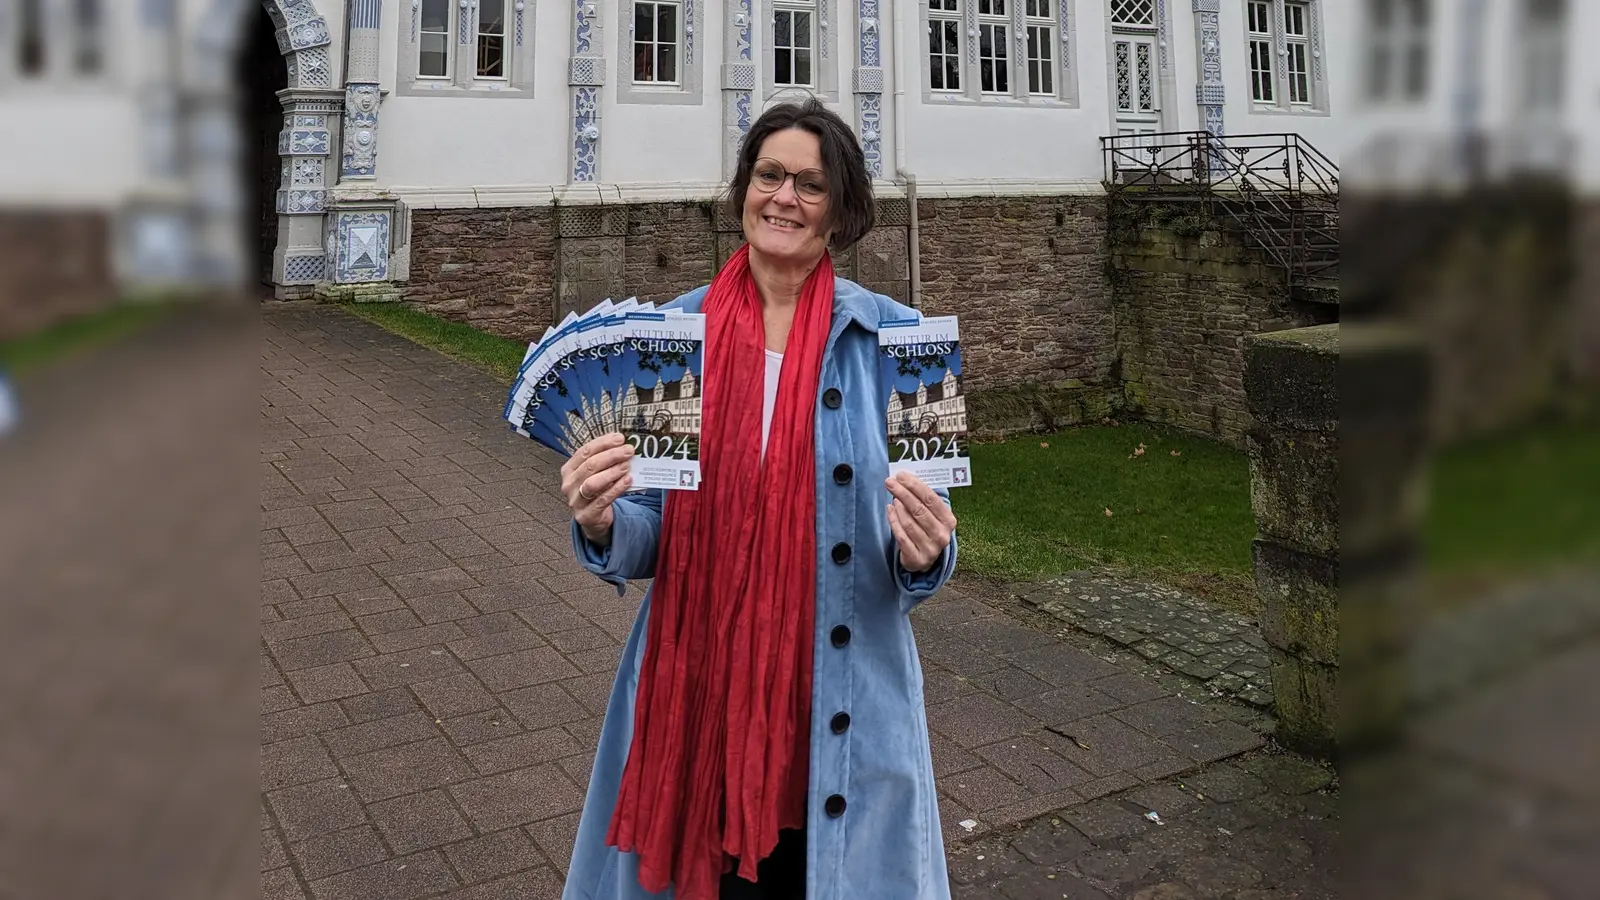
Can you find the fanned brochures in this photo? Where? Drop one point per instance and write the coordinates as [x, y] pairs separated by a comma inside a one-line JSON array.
[[621, 367], [926, 421]]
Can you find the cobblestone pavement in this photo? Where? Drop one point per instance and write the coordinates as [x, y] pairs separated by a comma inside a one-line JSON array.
[[1223, 650], [1259, 827], [434, 668]]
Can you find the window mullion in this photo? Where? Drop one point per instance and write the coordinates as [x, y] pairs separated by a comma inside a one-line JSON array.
[[1280, 54], [1019, 51]]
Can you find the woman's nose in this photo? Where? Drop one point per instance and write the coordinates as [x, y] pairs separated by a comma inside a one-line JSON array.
[[786, 193]]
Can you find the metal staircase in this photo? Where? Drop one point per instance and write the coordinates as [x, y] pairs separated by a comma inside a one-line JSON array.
[[1283, 192]]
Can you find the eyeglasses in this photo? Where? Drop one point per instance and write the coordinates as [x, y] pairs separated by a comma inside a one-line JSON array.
[[767, 175]]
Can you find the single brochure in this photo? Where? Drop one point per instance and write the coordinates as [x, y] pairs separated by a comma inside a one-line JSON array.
[[926, 413], [659, 405]]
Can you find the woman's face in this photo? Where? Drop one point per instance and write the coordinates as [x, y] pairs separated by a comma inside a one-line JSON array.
[[783, 215]]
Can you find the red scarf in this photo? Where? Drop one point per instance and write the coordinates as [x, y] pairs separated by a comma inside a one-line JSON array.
[[722, 717]]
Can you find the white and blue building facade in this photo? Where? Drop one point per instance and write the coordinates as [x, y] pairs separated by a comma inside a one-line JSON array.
[[396, 105]]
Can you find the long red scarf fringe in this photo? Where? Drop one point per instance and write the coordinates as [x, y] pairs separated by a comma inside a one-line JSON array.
[[722, 717]]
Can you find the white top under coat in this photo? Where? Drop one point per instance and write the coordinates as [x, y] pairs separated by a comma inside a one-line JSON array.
[[769, 396]]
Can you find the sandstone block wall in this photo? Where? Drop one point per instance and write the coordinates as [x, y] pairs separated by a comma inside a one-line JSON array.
[[54, 264], [1292, 384], [1025, 275], [1064, 319], [1188, 291], [491, 268]]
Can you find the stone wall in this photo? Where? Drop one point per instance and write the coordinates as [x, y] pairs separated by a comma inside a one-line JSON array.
[[493, 268], [54, 264], [1292, 380], [1050, 339], [1494, 280], [1188, 290], [1027, 277]]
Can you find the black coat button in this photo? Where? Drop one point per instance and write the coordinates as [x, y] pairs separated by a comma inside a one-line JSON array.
[[840, 723], [831, 398], [834, 806], [841, 553], [842, 473], [840, 636]]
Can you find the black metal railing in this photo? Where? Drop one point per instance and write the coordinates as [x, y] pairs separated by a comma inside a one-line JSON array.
[[1281, 189]]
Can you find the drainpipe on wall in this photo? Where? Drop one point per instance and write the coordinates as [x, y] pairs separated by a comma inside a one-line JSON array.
[[906, 177]]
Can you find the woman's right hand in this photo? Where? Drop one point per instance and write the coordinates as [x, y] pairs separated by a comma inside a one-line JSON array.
[[592, 479]]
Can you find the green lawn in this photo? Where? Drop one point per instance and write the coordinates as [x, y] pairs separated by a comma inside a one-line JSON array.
[[79, 333], [1518, 501], [453, 339], [1038, 506]]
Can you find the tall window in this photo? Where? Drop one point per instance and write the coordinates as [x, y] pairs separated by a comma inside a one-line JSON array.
[[434, 46], [1041, 33], [993, 59], [88, 35], [793, 44], [1297, 36], [1286, 71], [491, 38], [944, 44], [1136, 90], [30, 38], [1397, 67], [655, 41], [1544, 55], [1260, 37]]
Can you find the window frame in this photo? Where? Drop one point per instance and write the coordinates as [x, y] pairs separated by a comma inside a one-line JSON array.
[[689, 89], [1543, 86], [950, 13], [478, 34], [972, 17], [61, 41], [794, 8], [1258, 46], [825, 61], [1301, 41], [1282, 47], [1045, 66], [461, 76], [1399, 43], [655, 43], [1000, 62], [449, 43]]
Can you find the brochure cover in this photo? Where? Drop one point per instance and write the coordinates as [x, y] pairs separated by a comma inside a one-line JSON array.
[[660, 406], [926, 413]]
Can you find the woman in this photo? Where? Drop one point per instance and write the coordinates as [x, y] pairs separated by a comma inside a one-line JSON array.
[[766, 736]]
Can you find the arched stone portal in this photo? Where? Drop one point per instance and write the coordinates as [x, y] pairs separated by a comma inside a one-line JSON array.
[[312, 107], [188, 226]]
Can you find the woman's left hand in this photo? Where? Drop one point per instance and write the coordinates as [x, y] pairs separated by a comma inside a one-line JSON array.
[[922, 523]]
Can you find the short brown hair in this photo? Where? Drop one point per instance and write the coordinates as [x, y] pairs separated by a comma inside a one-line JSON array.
[[851, 209]]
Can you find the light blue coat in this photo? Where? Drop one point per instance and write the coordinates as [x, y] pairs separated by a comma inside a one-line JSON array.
[[886, 845]]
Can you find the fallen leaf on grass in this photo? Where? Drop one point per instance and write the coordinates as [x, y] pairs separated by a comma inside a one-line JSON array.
[[1044, 445], [1139, 450], [1177, 453], [1108, 512]]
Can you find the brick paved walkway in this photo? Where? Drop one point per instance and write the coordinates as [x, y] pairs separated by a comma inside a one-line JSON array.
[[434, 665]]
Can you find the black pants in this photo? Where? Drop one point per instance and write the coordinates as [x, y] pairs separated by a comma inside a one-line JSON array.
[[781, 876]]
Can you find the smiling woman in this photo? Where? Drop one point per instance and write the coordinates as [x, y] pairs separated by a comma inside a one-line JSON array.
[[769, 696]]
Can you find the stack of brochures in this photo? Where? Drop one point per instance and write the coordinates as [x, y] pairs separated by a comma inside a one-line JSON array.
[[621, 367], [632, 369]]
